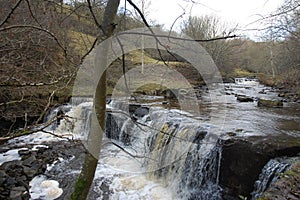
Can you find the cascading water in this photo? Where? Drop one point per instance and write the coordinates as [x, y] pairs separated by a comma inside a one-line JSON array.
[[155, 153], [269, 174], [176, 150]]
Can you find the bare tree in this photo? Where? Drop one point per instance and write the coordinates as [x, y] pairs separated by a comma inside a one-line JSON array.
[[284, 32], [208, 27]]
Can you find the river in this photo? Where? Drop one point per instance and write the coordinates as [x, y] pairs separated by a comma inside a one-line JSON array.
[[161, 151]]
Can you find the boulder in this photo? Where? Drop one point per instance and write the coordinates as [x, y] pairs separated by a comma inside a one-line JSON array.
[[19, 193], [244, 98], [141, 112], [269, 103], [171, 93], [3, 177], [285, 186], [243, 159], [30, 172]]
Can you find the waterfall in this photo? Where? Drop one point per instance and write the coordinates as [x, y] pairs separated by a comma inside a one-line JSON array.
[[170, 147], [179, 151], [75, 121], [269, 174], [55, 113], [75, 101]]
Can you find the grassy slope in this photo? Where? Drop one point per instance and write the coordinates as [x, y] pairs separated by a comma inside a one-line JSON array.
[[134, 62]]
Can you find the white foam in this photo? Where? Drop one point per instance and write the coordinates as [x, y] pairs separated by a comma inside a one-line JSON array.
[[127, 178], [10, 155], [41, 188], [39, 146]]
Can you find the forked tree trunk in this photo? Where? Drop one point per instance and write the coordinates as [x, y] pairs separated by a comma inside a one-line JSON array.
[[85, 179]]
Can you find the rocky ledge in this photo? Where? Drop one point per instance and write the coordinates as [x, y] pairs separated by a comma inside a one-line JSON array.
[[287, 186], [244, 158]]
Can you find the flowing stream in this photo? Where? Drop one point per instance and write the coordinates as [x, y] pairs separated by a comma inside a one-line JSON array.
[[157, 152]]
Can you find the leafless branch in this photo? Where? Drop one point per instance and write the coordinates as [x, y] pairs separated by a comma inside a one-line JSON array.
[[31, 13], [37, 28], [180, 38], [10, 13], [13, 102], [93, 14], [33, 129], [35, 84], [90, 50], [46, 107]]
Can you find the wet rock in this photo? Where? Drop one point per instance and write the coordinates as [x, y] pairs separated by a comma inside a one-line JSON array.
[[287, 186], [3, 177], [262, 92], [231, 134], [171, 93], [30, 172], [15, 195], [24, 152], [141, 112], [244, 98], [11, 165], [10, 182], [29, 161], [244, 158], [200, 135], [19, 193], [269, 103]]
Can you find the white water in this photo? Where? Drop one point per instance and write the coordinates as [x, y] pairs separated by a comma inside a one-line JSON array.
[[181, 163], [168, 151], [270, 173], [10, 155], [43, 189]]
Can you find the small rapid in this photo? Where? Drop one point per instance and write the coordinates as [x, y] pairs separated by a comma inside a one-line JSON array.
[[153, 151]]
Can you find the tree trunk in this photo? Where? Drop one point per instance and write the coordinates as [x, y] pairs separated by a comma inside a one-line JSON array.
[[85, 179]]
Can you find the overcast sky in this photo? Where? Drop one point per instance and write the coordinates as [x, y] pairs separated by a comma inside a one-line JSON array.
[[242, 12]]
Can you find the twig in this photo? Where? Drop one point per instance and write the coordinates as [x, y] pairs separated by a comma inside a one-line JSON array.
[[38, 28], [10, 13]]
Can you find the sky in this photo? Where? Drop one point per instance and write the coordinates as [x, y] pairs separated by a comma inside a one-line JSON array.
[[233, 12]]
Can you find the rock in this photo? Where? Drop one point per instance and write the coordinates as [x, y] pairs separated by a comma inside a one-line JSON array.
[[18, 193], [262, 92], [200, 135], [141, 112], [15, 195], [243, 159], [243, 98], [171, 93], [133, 107], [269, 103], [3, 177], [10, 181], [19, 188], [30, 172], [24, 152], [11, 165], [29, 160], [285, 186], [231, 134]]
